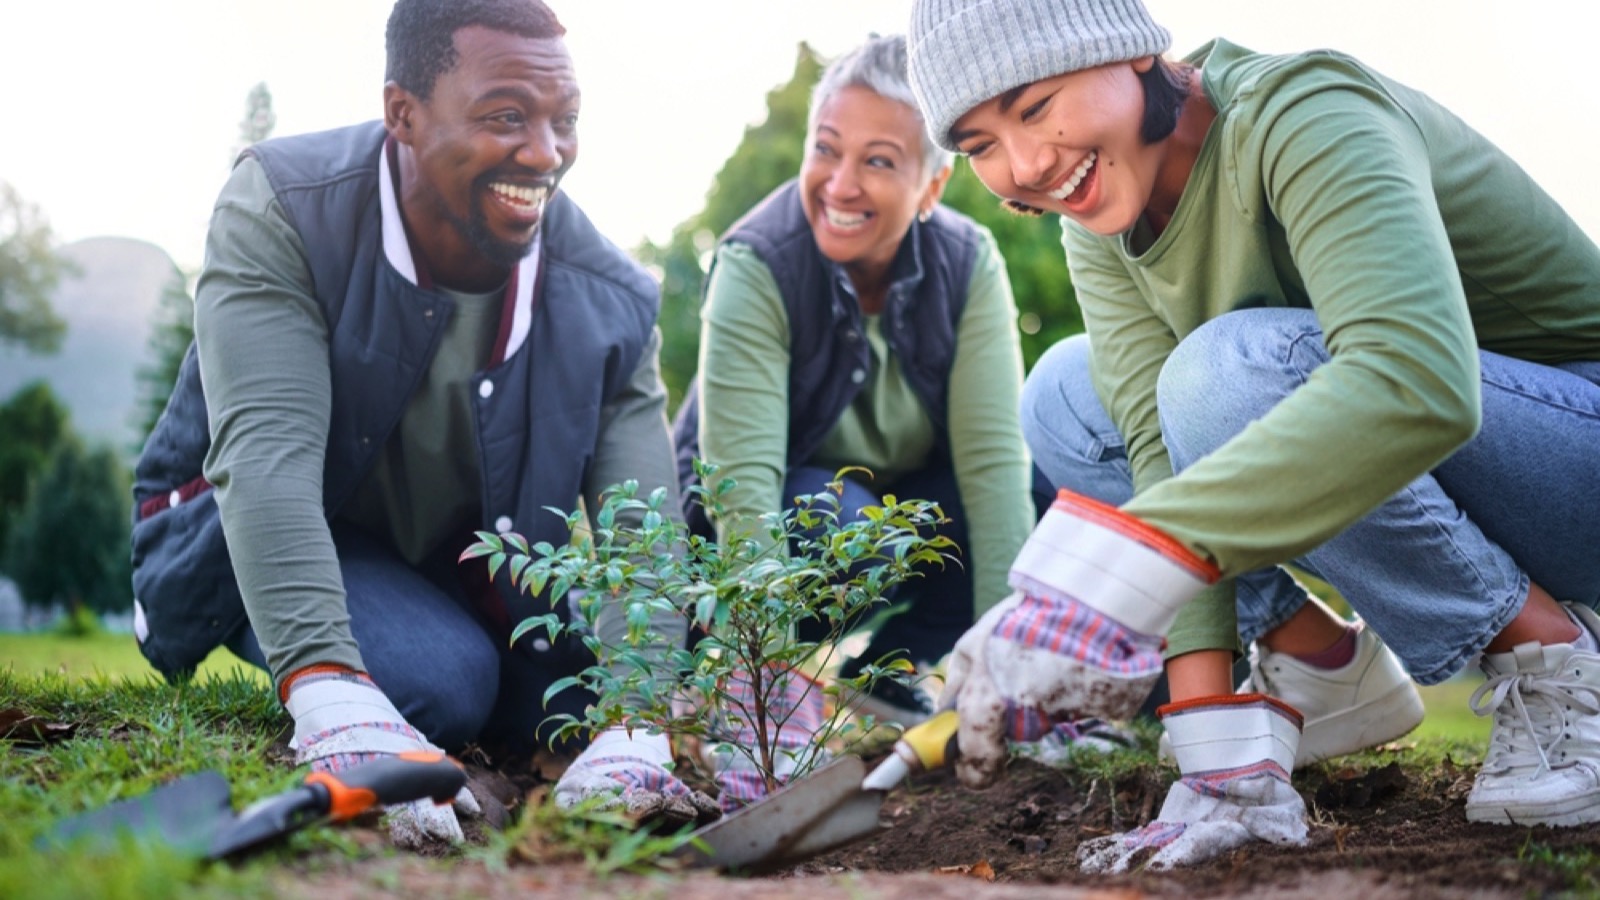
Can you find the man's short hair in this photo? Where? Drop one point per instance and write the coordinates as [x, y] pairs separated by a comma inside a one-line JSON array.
[[421, 35]]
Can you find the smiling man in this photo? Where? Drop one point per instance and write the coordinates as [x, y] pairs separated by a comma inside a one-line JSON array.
[[405, 333]]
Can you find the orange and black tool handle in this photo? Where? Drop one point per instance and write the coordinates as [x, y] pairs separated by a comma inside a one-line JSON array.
[[390, 779]]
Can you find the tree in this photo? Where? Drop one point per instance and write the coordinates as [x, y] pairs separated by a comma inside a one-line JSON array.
[[170, 338], [770, 154], [259, 119], [29, 273], [767, 155], [1047, 306], [34, 422], [173, 330], [70, 544]]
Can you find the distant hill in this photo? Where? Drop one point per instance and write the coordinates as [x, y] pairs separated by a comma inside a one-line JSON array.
[[108, 307]]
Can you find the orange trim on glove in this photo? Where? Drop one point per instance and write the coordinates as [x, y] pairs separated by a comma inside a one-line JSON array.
[[313, 669], [1293, 714], [1092, 510]]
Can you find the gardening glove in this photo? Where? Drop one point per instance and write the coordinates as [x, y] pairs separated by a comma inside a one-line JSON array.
[[341, 720], [634, 773], [1235, 753], [1067, 739], [1094, 592], [794, 716]]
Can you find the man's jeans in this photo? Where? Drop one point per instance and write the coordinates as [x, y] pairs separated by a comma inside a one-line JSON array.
[[433, 657], [1439, 568]]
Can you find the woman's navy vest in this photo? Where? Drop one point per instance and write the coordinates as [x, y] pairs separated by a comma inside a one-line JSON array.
[[830, 358], [536, 436]]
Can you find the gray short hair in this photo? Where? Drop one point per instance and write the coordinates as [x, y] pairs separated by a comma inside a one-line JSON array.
[[879, 65]]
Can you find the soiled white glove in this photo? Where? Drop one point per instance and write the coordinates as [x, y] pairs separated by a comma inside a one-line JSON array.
[[633, 773], [1235, 753], [342, 720], [1095, 591]]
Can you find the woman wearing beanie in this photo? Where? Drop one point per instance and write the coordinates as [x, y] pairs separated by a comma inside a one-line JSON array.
[[1330, 325]]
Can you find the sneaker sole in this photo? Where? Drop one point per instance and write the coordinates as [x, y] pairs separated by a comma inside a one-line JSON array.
[[1376, 722], [1565, 812]]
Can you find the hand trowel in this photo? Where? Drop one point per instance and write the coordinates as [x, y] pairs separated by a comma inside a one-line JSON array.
[[831, 807]]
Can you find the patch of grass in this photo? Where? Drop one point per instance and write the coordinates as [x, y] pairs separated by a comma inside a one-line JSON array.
[[100, 653], [1579, 867], [131, 736], [1449, 716], [608, 842]]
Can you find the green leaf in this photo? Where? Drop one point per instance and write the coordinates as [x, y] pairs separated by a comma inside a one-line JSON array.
[[488, 545], [559, 685], [519, 564], [551, 623], [495, 562], [537, 579]]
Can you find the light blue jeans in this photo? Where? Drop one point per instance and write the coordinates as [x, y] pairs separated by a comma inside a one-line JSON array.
[[1439, 568]]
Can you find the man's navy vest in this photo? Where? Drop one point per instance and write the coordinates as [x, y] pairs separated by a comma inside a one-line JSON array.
[[536, 434], [829, 357]]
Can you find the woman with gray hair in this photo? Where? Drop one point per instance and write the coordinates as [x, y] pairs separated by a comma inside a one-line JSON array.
[[850, 320]]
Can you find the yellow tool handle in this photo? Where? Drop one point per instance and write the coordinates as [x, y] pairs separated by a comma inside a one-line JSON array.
[[933, 743]]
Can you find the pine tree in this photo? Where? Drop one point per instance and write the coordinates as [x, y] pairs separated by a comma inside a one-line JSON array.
[[34, 422], [170, 337], [259, 119], [173, 330], [70, 544]]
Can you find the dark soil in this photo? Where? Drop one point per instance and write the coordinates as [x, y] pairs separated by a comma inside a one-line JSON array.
[[1378, 833], [1383, 831]]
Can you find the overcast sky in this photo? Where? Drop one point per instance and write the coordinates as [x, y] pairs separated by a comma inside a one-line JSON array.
[[120, 117]]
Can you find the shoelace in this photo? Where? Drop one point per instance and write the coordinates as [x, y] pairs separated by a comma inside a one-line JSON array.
[[1258, 680], [1551, 693]]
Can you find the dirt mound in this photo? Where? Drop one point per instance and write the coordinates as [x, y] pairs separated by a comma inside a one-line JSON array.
[[1376, 833]]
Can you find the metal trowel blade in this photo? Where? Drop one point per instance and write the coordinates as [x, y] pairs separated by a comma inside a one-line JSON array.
[[767, 831]]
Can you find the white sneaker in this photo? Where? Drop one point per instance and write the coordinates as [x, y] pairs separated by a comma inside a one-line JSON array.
[[1543, 762], [1368, 701]]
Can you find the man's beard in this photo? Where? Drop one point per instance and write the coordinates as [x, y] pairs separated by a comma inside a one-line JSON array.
[[475, 229]]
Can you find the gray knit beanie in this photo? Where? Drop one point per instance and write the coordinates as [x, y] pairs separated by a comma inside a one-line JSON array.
[[963, 52]]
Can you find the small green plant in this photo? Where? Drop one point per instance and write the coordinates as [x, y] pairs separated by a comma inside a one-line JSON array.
[[748, 596]]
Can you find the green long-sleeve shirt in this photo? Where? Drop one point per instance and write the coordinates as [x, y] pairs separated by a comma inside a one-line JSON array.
[[744, 425], [263, 347], [1322, 184]]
